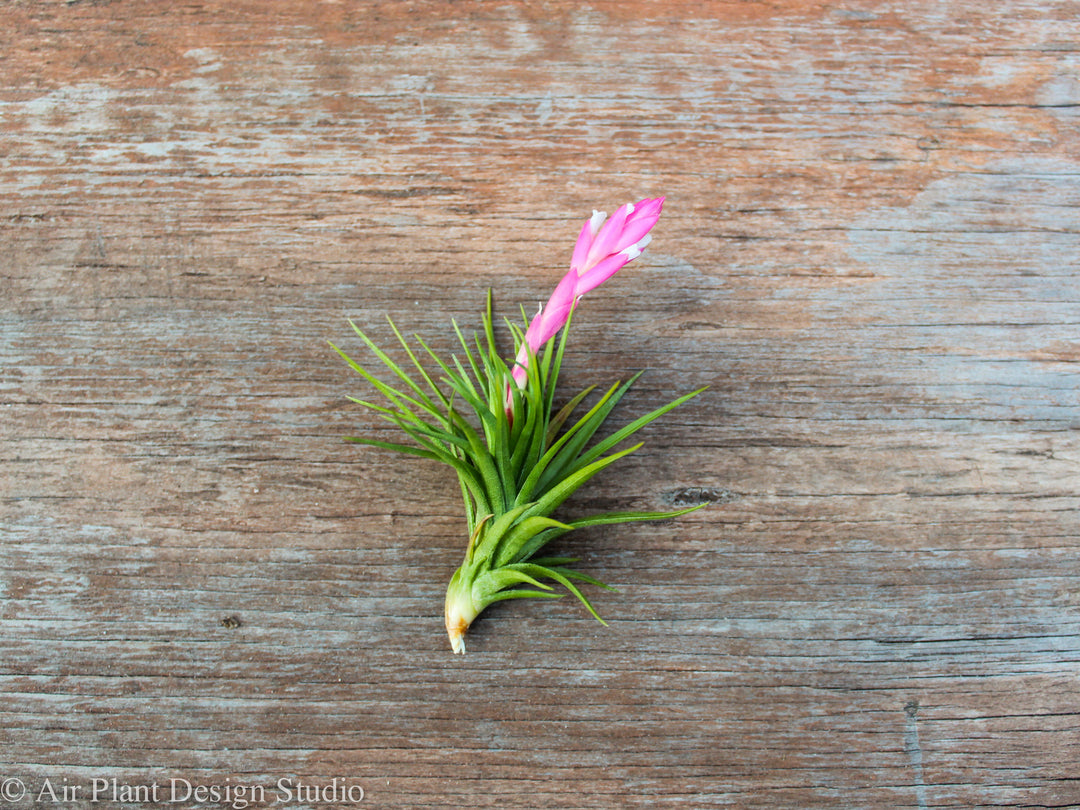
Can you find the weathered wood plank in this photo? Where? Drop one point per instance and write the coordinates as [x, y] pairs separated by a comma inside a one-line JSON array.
[[868, 252]]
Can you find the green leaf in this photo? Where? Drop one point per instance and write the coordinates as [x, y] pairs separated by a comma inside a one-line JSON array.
[[566, 487], [509, 548], [521, 593], [557, 575], [575, 439], [554, 561], [523, 455], [397, 448], [612, 440], [572, 574], [401, 418], [497, 528], [564, 413], [529, 549], [386, 360], [610, 518], [487, 587], [396, 397], [468, 355], [419, 366], [551, 374], [567, 448]]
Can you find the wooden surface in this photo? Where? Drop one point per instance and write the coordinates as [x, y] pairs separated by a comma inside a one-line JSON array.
[[869, 252]]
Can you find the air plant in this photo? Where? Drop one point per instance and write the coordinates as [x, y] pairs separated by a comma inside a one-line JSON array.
[[516, 456]]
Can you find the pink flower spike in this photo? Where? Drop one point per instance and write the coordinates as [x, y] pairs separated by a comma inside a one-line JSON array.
[[602, 249]]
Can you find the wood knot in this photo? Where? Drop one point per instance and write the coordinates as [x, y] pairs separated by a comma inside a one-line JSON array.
[[693, 496]]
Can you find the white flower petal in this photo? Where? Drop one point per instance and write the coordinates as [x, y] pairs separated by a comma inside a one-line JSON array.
[[635, 249]]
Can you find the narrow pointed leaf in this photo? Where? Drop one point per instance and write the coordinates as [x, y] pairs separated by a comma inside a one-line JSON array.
[[612, 440]]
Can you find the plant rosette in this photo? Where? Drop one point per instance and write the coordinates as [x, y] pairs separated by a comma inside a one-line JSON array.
[[494, 422]]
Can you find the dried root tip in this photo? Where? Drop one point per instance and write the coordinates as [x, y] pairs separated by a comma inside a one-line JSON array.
[[455, 628]]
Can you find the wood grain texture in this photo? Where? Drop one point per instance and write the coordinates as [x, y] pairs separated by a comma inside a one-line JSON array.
[[869, 252]]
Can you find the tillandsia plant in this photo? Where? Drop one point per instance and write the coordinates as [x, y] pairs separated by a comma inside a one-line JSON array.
[[517, 457]]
